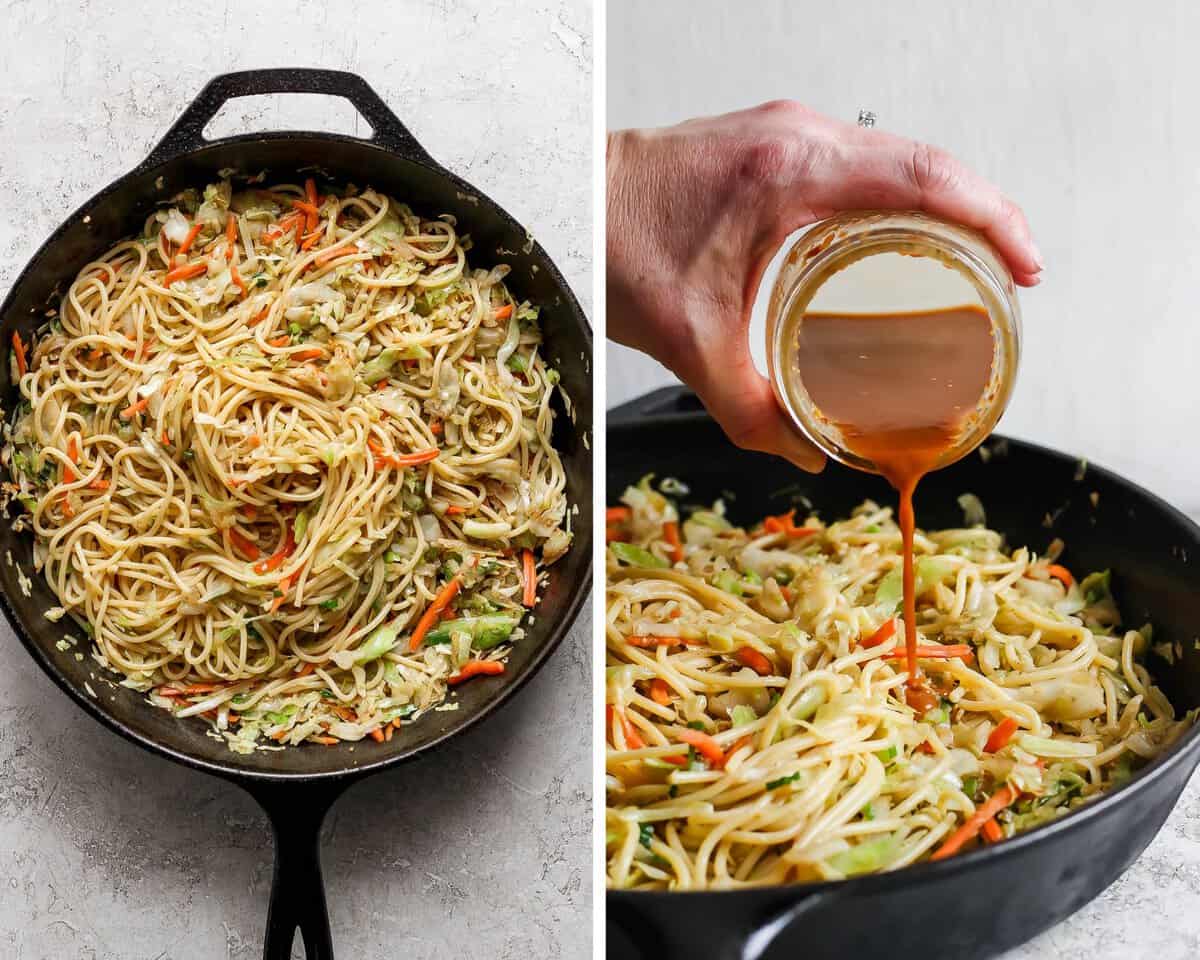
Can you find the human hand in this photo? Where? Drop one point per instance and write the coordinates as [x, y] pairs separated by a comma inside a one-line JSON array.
[[696, 211]]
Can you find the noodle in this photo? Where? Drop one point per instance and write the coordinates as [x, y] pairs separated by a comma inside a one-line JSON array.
[[259, 442], [757, 726]]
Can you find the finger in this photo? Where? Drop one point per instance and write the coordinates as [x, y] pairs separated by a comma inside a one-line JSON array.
[[741, 401], [868, 169]]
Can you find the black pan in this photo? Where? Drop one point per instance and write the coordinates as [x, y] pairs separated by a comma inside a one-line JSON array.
[[981, 903], [296, 787]]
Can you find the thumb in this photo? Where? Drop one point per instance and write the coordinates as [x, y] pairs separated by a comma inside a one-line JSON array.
[[742, 402]]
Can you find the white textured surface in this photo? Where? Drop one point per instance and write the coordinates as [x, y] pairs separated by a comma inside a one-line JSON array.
[[107, 852], [1083, 113]]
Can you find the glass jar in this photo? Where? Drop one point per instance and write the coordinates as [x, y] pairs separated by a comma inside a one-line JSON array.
[[881, 262]]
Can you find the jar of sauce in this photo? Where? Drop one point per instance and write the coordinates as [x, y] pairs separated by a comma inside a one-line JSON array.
[[892, 341]]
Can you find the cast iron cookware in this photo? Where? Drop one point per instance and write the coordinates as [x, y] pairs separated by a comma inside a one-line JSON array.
[[980, 903], [297, 786]]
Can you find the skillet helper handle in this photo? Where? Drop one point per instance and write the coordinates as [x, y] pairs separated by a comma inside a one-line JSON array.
[[664, 401], [296, 812], [187, 134]]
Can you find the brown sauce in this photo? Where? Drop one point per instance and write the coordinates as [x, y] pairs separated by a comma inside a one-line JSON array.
[[899, 386]]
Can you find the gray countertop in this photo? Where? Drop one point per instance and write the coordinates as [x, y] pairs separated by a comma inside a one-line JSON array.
[[484, 846]]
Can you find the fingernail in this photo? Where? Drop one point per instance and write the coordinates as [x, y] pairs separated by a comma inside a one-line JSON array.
[[1037, 257]]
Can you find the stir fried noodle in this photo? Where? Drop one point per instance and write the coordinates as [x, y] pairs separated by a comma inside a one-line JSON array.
[[757, 725], [287, 459]]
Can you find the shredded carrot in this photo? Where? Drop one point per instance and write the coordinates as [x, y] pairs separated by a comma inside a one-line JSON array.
[[308, 668], [19, 350], [529, 574], [67, 509], [671, 535], [186, 272], [310, 240], [992, 832], [660, 693], [951, 651], [455, 510], [443, 599], [504, 312], [325, 256], [1001, 735], [246, 547], [328, 741], [1061, 573], [313, 354], [974, 823], [705, 745], [275, 560], [475, 668], [284, 585], [261, 315], [98, 484], [305, 207], [280, 734], [786, 523], [95, 353], [435, 427], [746, 741], [633, 740], [73, 449], [617, 514], [310, 191], [406, 459], [134, 409], [231, 239], [882, 635], [194, 688], [377, 735], [280, 341], [613, 535], [189, 239], [751, 658], [237, 279], [254, 440], [675, 614]]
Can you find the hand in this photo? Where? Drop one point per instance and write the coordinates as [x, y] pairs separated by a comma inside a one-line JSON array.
[[696, 211]]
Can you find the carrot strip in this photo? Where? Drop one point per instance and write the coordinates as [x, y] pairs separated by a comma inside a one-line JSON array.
[[613, 535], [189, 239], [186, 272], [134, 409], [231, 239], [275, 560], [951, 651], [1001, 735], [377, 735], [303, 355], [443, 599], [529, 573], [310, 191], [1061, 573], [261, 315], [284, 585], [974, 823], [882, 635], [310, 240], [194, 688], [19, 350], [406, 459], [476, 668], [237, 279], [705, 745], [308, 668], [280, 341], [69, 475], [660, 693], [633, 740], [305, 207], [504, 312], [246, 547], [98, 484], [671, 535], [751, 658], [617, 514], [328, 741], [992, 832], [325, 256], [786, 523], [455, 510]]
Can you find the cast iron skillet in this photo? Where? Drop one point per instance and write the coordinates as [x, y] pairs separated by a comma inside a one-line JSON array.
[[980, 903], [296, 787]]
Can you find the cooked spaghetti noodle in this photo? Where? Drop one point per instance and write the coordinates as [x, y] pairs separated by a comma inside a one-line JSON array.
[[287, 459], [757, 726]]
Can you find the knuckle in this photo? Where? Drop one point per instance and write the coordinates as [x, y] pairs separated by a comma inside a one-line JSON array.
[[767, 159], [932, 168], [783, 107]]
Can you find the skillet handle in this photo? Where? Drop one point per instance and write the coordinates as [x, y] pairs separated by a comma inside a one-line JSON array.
[[296, 812], [664, 401], [187, 134]]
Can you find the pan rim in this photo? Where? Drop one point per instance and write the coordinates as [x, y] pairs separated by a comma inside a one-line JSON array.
[[579, 591], [1186, 750]]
